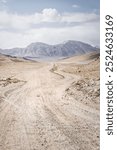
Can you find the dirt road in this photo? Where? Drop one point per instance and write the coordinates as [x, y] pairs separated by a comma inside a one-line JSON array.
[[36, 113]]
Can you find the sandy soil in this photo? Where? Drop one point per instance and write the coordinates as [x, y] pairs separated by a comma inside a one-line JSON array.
[[48, 106]]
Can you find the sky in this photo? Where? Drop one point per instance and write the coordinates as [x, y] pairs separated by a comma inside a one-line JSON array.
[[50, 21]]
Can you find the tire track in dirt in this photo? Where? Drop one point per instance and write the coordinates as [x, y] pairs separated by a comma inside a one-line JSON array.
[[8, 117], [40, 117]]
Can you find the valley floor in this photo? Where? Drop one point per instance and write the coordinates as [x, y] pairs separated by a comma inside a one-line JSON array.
[[49, 106]]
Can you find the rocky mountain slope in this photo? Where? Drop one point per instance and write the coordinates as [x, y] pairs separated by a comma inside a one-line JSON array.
[[44, 51]]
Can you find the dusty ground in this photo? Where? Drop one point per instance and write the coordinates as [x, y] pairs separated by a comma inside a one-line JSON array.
[[49, 106]]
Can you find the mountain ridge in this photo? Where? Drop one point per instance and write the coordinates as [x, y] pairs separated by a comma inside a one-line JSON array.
[[39, 50]]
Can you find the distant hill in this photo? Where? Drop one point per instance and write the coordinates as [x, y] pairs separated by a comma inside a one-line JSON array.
[[37, 51], [82, 58]]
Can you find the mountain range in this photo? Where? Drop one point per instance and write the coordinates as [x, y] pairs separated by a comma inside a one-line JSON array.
[[38, 50]]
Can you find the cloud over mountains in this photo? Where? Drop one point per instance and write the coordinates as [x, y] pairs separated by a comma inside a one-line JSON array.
[[48, 26]]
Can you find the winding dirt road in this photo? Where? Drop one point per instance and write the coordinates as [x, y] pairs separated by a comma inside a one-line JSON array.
[[36, 114]]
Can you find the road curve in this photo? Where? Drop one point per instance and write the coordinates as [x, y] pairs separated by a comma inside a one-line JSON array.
[[35, 113]]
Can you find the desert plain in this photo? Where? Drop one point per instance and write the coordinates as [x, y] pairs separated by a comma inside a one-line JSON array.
[[49, 105]]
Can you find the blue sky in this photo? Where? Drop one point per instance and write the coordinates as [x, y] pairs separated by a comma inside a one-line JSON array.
[[51, 21], [29, 6]]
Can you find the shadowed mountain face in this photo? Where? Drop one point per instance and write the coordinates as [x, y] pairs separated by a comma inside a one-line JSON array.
[[44, 51]]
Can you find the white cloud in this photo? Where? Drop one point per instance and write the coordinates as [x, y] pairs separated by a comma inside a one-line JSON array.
[[3, 1], [47, 26], [15, 21], [75, 6], [50, 15], [79, 17]]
